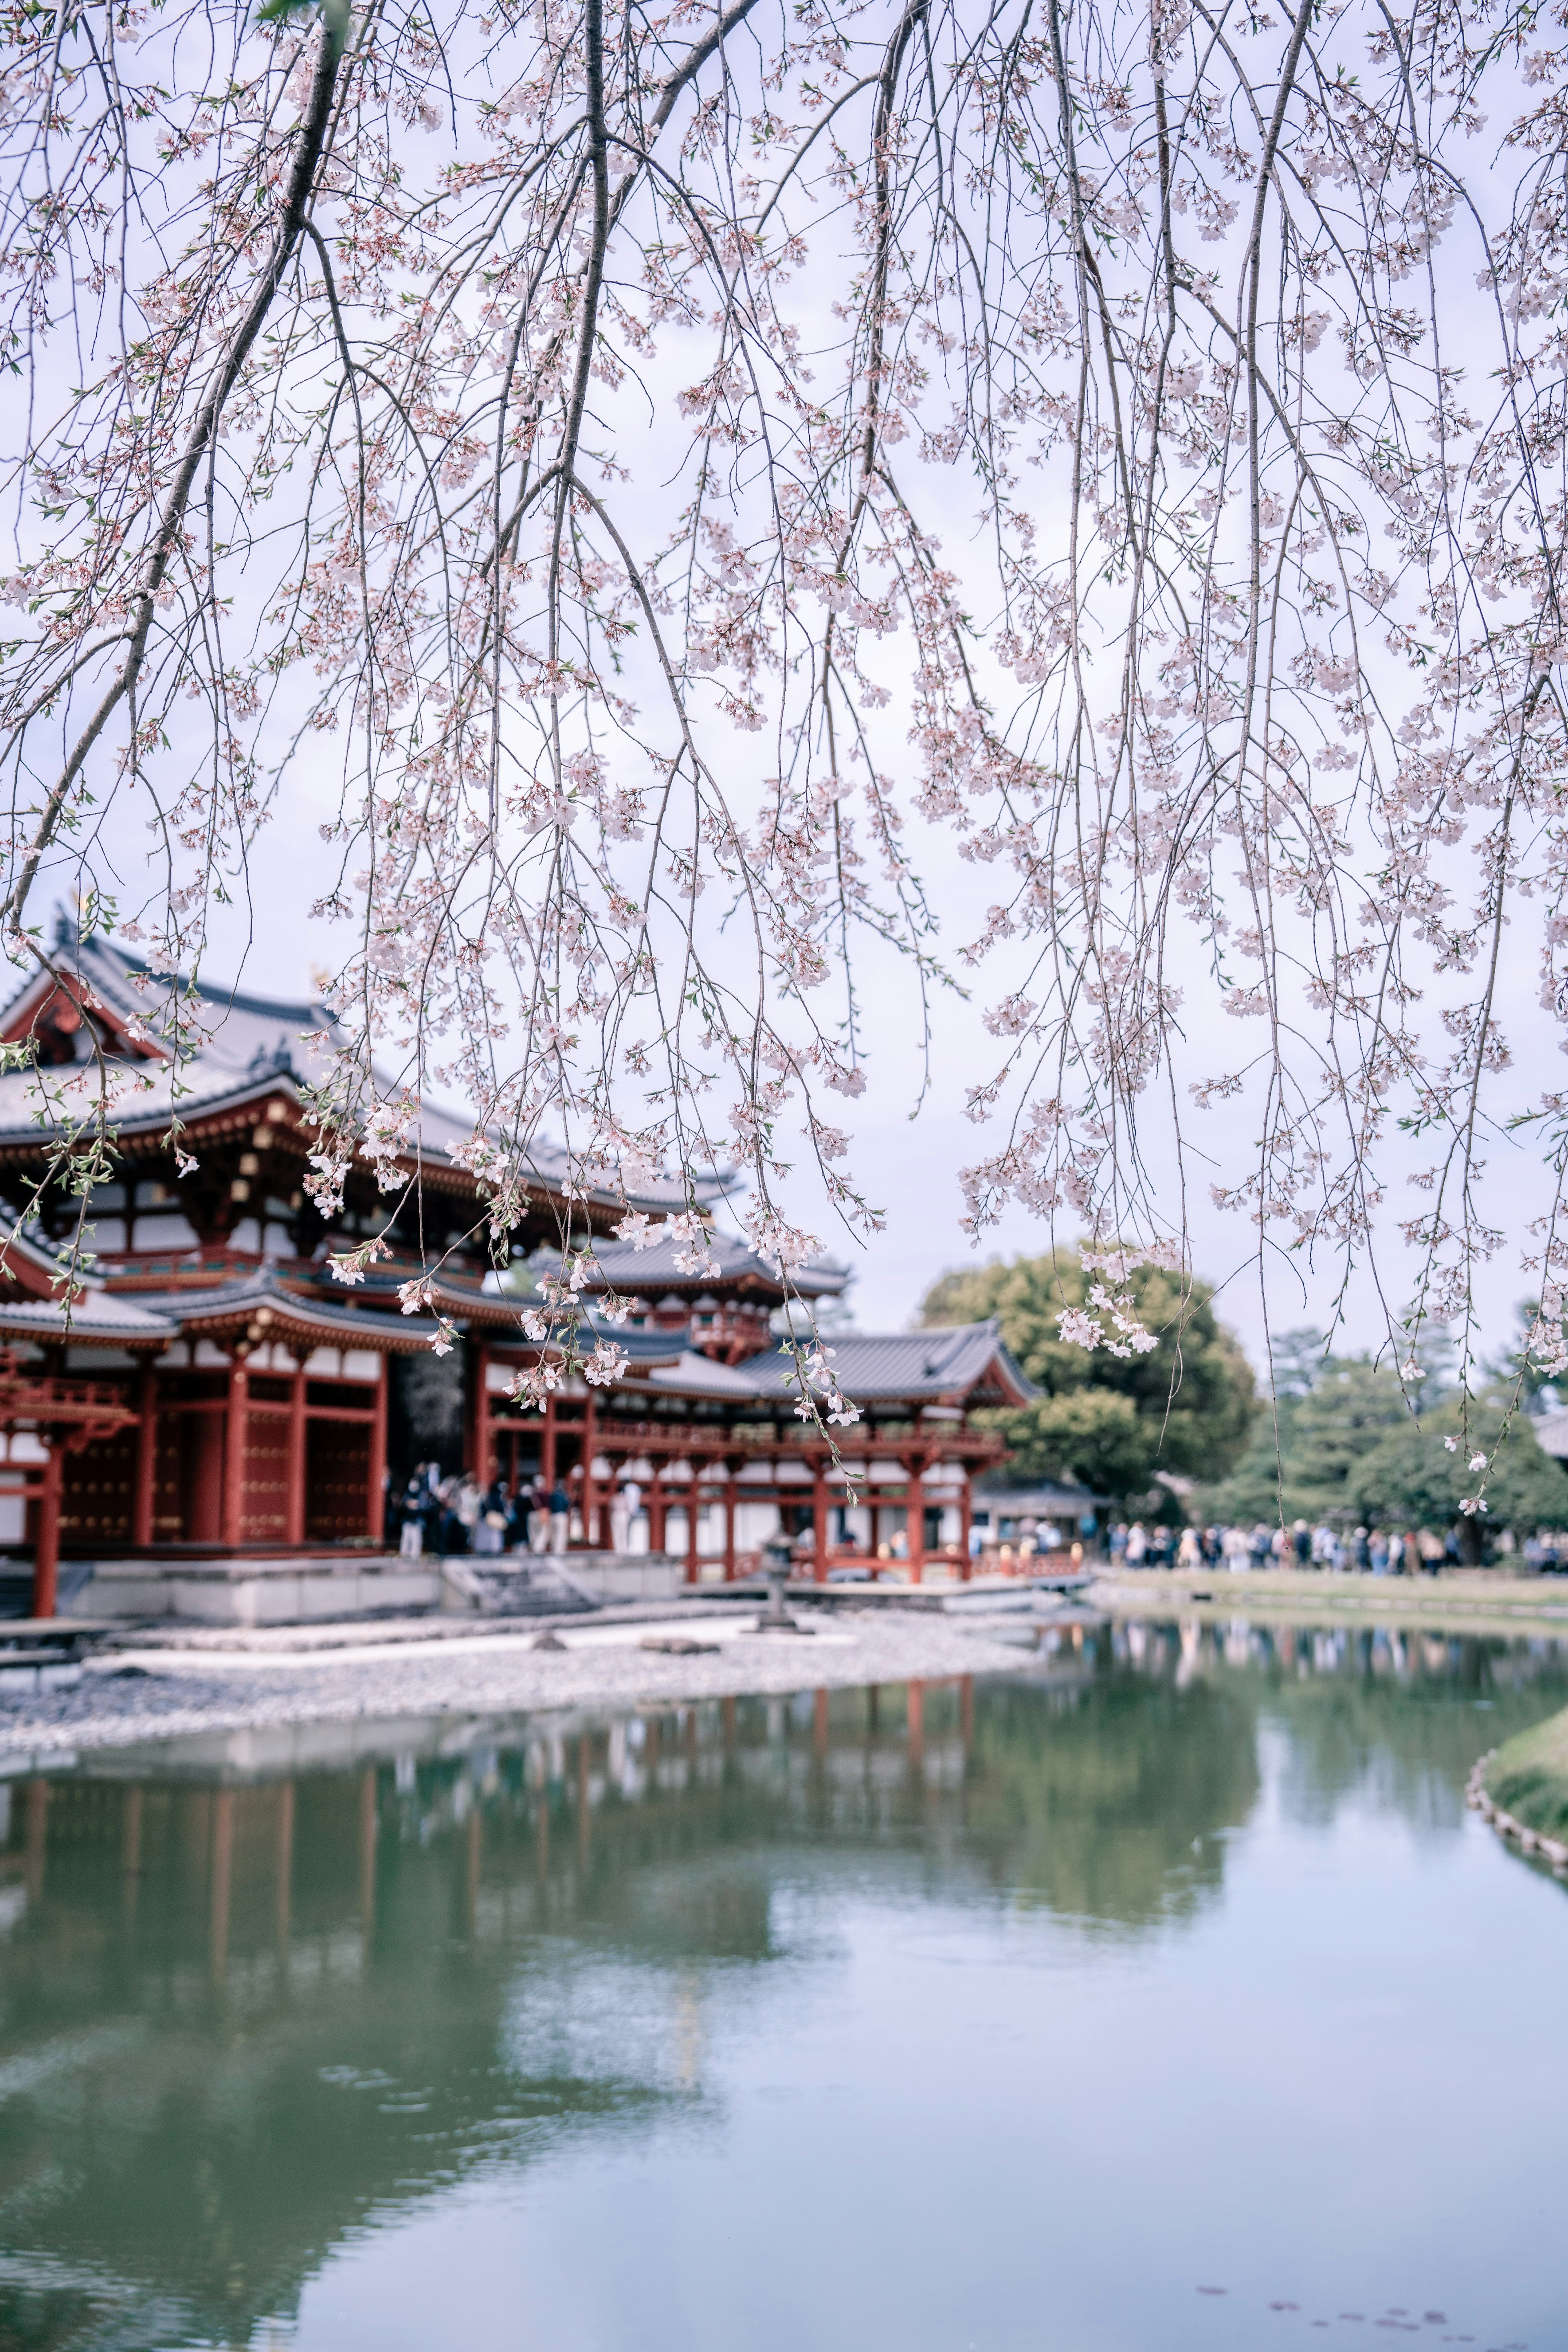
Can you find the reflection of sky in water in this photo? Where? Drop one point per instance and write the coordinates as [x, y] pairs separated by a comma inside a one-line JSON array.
[[1011, 2019]]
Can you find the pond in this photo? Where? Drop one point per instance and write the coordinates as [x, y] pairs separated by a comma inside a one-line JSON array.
[[1161, 1995]]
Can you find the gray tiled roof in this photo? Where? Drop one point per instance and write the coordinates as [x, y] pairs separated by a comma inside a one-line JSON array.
[[1551, 1432], [257, 1045], [924, 1367], [96, 1314], [1021, 1496], [640, 1273], [190, 1310], [694, 1374]]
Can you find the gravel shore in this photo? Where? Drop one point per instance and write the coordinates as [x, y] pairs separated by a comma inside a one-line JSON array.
[[132, 1696]]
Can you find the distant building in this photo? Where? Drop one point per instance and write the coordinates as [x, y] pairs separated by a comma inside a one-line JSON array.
[[218, 1391]]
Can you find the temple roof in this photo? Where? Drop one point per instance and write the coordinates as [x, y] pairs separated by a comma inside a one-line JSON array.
[[694, 1374], [266, 1299], [256, 1046], [641, 1272], [33, 1285], [964, 1364], [959, 1364]]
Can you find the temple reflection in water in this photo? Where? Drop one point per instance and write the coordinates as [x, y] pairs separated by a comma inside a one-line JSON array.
[[257, 1990]]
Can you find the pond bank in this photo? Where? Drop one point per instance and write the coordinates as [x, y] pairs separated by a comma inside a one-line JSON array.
[[1469, 1600], [1521, 1787], [128, 1697]]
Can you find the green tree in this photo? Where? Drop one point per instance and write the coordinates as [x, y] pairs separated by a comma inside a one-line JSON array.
[[1354, 1406], [1094, 1435], [1186, 1407], [1412, 1477], [1253, 1490], [1330, 1413]]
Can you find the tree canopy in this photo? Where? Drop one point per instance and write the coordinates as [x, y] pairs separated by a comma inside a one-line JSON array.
[[1345, 1446], [1184, 1405], [672, 503]]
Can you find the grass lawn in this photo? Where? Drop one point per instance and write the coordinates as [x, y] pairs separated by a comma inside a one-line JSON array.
[[1528, 1777], [1479, 1601]]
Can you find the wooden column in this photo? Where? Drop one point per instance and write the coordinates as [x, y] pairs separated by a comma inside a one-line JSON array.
[[294, 1523], [729, 1526], [231, 1525], [966, 1512], [820, 1522], [915, 1518], [142, 1492], [692, 1501], [484, 1449], [47, 1538], [547, 1444], [376, 1505], [657, 1513], [476, 1357], [590, 1504], [591, 1490]]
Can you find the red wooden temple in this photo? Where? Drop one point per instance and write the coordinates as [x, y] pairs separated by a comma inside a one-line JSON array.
[[215, 1391]]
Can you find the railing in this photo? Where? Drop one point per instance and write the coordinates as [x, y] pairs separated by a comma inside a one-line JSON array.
[[686, 1438], [47, 1397]]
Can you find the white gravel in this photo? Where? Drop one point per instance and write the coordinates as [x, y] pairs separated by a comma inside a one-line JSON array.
[[128, 1698]]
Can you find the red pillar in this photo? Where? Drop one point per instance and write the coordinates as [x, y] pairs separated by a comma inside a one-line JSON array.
[[966, 1509], [375, 1502], [591, 1488], [820, 1522], [915, 1518], [146, 1458], [294, 1524], [474, 1432], [547, 1444], [590, 1484], [691, 1502], [729, 1526], [234, 1433], [657, 1514], [47, 1540]]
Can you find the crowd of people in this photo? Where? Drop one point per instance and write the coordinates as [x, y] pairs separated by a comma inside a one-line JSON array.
[[455, 1514], [1380, 1551]]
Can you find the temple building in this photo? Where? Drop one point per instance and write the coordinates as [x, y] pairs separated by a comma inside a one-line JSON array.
[[216, 1391]]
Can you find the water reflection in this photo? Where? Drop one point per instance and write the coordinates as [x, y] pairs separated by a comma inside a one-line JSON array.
[[248, 2008]]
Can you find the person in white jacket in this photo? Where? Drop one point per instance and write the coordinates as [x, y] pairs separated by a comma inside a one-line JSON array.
[[625, 1504]]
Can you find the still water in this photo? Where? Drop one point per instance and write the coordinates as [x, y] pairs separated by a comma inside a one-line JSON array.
[[1162, 1995]]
